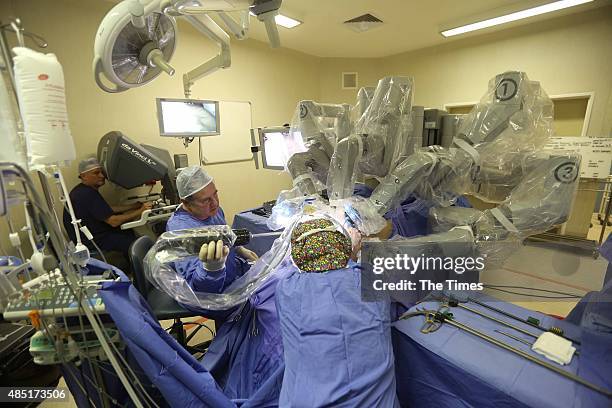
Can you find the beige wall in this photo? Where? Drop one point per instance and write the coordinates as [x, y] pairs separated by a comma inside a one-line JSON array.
[[369, 71], [567, 54]]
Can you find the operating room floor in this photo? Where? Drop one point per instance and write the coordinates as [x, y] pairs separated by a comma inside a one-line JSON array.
[[541, 266]]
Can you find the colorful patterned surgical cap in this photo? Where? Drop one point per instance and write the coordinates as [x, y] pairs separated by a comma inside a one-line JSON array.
[[318, 246]]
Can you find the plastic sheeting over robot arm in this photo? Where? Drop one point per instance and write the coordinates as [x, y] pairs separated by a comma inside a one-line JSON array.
[[542, 200], [364, 98], [545, 196], [169, 249], [320, 126], [455, 243], [385, 125], [341, 178], [380, 138], [309, 169], [434, 173], [512, 120]]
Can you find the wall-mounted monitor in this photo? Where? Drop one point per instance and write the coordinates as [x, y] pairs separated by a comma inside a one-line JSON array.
[[277, 144], [187, 117]]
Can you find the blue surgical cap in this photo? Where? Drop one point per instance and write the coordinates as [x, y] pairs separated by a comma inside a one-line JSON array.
[[191, 180]]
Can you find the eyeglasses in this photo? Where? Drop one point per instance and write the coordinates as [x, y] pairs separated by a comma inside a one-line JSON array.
[[207, 200]]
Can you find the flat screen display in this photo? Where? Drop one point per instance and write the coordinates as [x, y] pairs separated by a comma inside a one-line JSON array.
[[187, 117], [278, 145]]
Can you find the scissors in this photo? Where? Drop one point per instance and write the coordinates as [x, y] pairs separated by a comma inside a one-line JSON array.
[[433, 318]]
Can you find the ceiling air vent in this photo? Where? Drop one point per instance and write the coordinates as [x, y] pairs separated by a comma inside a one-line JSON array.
[[363, 23]]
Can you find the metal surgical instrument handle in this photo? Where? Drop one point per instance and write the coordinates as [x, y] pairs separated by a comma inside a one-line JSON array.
[[555, 330]]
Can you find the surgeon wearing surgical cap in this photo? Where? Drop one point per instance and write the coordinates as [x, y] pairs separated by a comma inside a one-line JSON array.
[[100, 218], [337, 348], [218, 266]]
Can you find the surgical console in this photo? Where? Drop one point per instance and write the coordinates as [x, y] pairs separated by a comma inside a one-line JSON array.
[[129, 164]]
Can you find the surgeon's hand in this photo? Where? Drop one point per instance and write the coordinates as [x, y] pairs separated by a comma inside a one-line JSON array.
[[213, 255], [247, 254], [145, 206]]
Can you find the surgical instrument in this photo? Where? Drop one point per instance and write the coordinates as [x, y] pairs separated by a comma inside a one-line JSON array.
[[514, 337], [444, 318], [577, 353], [530, 320], [455, 303]]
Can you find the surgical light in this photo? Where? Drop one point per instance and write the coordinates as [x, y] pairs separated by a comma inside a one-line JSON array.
[[284, 21], [519, 15]]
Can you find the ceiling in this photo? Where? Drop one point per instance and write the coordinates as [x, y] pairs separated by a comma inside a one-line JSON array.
[[409, 24]]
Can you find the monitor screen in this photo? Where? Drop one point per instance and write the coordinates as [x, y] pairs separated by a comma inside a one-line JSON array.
[[187, 117], [278, 144]]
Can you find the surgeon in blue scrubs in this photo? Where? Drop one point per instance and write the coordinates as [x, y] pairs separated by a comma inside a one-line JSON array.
[[245, 357], [199, 208], [337, 347]]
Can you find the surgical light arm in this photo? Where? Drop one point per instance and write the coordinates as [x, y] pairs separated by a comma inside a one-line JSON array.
[[239, 30], [266, 11], [209, 28]]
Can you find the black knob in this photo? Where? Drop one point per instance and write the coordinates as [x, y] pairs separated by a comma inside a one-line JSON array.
[[243, 236]]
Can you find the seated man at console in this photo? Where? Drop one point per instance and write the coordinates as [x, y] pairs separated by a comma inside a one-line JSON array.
[[102, 220]]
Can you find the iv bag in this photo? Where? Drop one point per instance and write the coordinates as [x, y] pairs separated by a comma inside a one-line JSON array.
[[12, 147], [39, 80]]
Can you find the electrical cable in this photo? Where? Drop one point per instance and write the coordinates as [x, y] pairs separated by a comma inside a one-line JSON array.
[[99, 250], [195, 331]]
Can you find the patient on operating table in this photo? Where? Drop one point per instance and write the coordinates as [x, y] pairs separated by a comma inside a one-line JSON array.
[[337, 348]]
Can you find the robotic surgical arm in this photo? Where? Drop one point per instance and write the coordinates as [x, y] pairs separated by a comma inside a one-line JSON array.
[[378, 138], [542, 200], [498, 156], [381, 136], [309, 168]]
